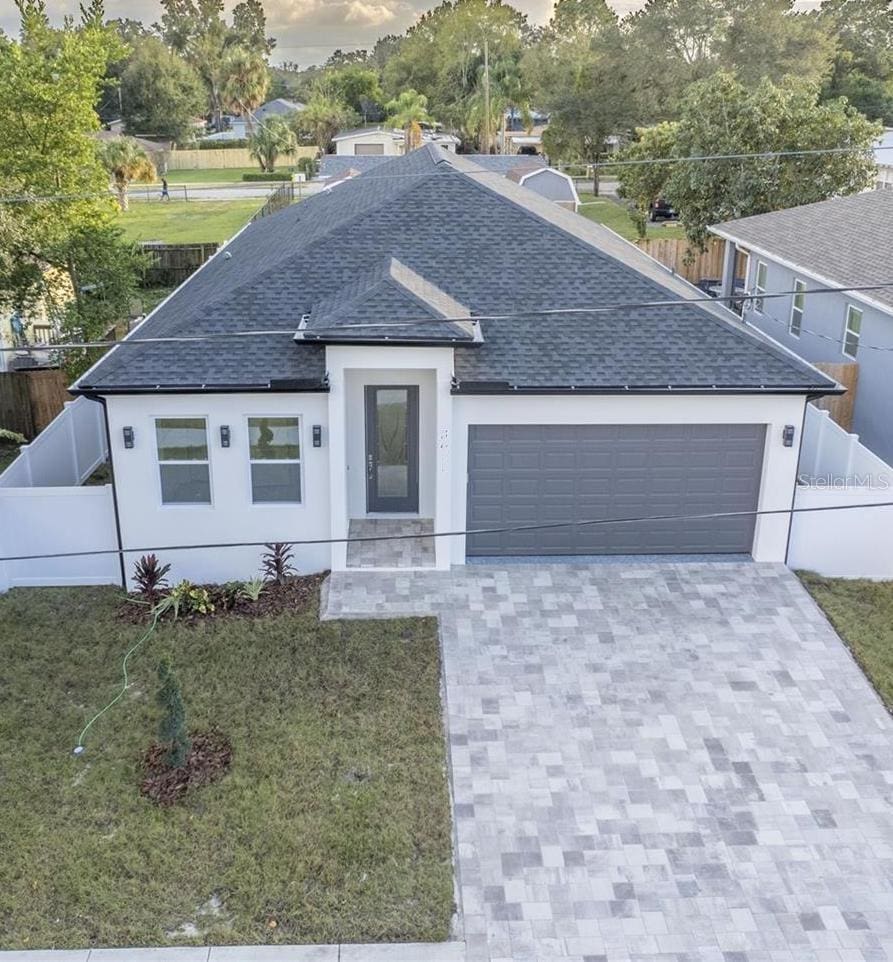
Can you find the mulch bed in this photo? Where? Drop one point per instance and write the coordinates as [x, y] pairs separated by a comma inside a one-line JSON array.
[[208, 760], [294, 595]]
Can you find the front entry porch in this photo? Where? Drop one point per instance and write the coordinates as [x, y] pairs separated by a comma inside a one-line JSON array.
[[404, 552]]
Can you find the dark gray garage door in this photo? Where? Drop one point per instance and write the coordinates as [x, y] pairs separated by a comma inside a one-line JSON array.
[[532, 474]]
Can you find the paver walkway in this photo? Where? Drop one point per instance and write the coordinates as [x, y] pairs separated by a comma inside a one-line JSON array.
[[655, 762]]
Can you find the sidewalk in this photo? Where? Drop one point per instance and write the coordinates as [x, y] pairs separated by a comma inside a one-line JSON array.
[[377, 952]]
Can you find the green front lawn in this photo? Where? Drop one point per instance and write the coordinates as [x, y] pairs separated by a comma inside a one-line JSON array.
[[332, 824], [612, 214], [862, 614], [185, 222]]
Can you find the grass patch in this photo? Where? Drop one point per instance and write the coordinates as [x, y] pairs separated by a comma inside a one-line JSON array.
[[332, 824], [862, 614], [185, 222], [611, 214]]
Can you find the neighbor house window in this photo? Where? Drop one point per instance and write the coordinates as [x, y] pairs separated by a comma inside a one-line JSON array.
[[183, 460], [798, 306], [274, 450], [760, 286], [853, 331]]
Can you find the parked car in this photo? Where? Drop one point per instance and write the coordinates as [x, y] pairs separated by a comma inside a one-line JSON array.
[[661, 209]]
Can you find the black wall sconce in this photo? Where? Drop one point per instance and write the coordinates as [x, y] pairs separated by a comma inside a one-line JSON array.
[[128, 437], [224, 435], [317, 435], [787, 435]]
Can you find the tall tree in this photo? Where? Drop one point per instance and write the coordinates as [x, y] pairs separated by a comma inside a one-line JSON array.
[[250, 28], [409, 111], [322, 117], [722, 116], [863, 68], [161, 95], [50, 80], [126, 161], [357, 86], [245, 84]]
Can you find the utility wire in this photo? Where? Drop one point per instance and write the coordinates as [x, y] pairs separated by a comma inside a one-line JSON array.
[[504, 316], [50, 198], [468, 532]]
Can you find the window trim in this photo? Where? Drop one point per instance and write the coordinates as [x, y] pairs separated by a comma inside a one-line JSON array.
[[850, 310], [299, 461], [183, 504], [800, 288], [757, 288]]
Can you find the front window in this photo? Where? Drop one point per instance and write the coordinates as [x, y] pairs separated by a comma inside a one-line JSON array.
[[274, 450], [760, 282], [852, 331], [798, 306], [183, 460]]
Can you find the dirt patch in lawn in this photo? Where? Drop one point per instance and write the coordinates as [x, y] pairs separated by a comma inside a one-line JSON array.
[[208, 760]]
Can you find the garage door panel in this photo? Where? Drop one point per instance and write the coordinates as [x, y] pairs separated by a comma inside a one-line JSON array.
[[529, 474]]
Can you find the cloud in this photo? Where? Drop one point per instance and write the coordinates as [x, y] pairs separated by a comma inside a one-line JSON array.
[[369, 14]]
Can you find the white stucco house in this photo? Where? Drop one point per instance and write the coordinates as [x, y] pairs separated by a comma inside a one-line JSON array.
[[432, 348], [385, 141]]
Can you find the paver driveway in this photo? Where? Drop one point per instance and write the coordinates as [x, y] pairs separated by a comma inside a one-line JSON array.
[[655, 762]]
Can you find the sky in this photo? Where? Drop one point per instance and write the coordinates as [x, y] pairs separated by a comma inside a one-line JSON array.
[[308, 30]]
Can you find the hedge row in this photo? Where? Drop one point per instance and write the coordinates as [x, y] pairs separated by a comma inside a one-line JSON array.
[[276, 175]]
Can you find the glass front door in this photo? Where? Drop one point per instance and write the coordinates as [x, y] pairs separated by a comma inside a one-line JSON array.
[[392, 448]]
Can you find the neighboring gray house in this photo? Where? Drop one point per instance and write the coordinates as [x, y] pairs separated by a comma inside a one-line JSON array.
[[884, 155], [843, 242]]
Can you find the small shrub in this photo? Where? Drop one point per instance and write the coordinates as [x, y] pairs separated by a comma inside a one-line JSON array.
[[150, 576], [269, 175], [186, 597], [228, 594], [308, 166], [12, 437], [172, 729], [276, 562], [252, 589]]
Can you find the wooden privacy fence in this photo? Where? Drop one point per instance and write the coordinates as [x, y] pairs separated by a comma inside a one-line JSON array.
[[171, 264], [224, 158], [690, 263], [840, 406], [29, 400]]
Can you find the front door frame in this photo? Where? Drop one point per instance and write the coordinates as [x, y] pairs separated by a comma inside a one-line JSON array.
[[375, 503]]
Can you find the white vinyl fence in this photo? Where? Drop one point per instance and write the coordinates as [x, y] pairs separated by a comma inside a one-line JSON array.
[[66, 452], [55, 520], [837, 471], [45, 510]]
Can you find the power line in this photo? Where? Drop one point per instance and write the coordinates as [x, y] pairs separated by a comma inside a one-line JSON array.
[[49, 198], [508, 315], [467, 532]]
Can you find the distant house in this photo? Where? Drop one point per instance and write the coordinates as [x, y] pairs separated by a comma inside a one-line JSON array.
[[238, 128], [884, 155], [843, 242], [385, 142]]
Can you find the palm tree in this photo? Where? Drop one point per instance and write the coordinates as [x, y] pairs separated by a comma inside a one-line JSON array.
[[510, 93], [125, 161], [245, 85], [409, 111], [272, 138], [322, 117]]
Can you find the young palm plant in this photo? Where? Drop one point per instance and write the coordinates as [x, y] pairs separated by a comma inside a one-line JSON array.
[[126, 161]]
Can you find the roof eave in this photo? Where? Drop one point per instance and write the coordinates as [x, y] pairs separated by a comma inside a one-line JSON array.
[[506, 388]]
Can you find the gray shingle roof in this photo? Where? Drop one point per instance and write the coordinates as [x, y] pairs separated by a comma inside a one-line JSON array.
[[503, 163], [846, 240], [476, 237], [336, 166]]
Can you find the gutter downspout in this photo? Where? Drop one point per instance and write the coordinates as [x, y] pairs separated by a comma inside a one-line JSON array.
[[99, 399], [791, 516]]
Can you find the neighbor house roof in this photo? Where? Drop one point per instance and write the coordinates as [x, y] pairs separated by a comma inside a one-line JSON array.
[[419, 241], [335, 166], [365, 132], [503, 163], [279, 107], [845, 241]]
